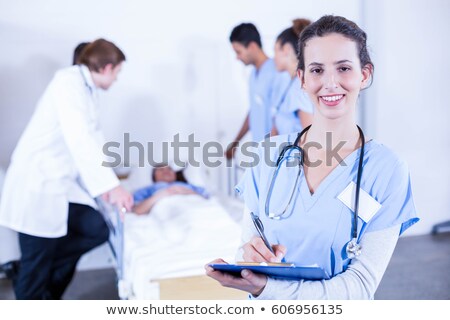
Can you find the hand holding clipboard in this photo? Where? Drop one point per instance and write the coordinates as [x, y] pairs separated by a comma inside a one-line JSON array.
[[280, 270], [286, 271]]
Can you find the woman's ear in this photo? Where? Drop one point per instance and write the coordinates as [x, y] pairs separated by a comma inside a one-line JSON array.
[[301, 77], [367, 72]]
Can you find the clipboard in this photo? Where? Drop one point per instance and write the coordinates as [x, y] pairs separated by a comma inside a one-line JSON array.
[[286, 271]]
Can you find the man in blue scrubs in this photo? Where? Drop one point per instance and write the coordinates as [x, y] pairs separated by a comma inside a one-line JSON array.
[[265, 84]]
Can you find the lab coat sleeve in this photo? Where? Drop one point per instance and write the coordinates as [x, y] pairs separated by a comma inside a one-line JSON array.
[[359, 281], [86, 151]]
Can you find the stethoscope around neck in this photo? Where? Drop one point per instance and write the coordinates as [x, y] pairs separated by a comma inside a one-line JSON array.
[[89, 88], [353, 248]]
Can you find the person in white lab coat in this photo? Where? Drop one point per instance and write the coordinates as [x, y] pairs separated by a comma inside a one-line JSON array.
[[56, 171]]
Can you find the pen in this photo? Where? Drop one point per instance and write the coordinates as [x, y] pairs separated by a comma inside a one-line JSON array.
[[260, 228]]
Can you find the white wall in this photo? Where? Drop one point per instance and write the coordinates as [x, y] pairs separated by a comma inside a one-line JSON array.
[[407, 107]]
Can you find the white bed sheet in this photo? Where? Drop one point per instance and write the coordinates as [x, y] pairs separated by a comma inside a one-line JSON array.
[[180, 235]]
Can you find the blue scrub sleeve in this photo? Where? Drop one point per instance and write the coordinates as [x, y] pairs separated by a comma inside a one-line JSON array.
[[248, 187], [299, 100], [201, 191], [281, 82], [143, 193], [397, 204]]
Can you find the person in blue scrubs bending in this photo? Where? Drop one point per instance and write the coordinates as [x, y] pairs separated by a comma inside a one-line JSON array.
[[344, 202], [265, 85]]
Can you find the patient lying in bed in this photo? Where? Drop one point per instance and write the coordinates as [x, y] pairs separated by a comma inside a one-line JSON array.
[[167, 183]]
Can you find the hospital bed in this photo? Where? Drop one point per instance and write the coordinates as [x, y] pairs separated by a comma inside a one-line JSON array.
[[162, 255]]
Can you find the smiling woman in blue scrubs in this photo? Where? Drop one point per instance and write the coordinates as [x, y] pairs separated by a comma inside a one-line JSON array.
[[318, 225]]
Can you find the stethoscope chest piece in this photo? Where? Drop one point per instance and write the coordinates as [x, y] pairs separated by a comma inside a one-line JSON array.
[[353, 249]]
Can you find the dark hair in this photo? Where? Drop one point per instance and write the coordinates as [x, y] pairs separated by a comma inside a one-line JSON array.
[[77, 52], [96, 55], [179, 175], [290, 35], [335, 24], [246, 33]]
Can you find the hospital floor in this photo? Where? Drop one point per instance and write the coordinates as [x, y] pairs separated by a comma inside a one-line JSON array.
[[419, 269]]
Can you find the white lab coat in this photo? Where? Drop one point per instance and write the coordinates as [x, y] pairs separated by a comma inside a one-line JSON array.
[[60, 148]]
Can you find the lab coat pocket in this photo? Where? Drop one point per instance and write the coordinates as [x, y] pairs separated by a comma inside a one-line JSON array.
[[55, 186], [51, 178], [48, 208], [55, 168]]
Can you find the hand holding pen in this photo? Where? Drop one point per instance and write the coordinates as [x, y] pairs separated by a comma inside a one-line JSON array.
[[259, 248]]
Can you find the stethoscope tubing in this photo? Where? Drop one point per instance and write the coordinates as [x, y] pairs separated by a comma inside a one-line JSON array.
[[296, 146]]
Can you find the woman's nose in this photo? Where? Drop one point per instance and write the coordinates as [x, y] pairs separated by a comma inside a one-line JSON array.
[[330, 81]]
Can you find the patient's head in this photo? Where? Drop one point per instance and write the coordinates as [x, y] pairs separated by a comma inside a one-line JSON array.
[[164, 173]]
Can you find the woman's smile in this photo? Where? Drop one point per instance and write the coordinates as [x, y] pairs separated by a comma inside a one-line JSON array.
[[332, 100]]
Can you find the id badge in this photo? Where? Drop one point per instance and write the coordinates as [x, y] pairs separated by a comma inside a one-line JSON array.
[[368, 206]]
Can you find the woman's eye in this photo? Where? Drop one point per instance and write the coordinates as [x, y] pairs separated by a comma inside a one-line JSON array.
[[316, 70], [344, 69]]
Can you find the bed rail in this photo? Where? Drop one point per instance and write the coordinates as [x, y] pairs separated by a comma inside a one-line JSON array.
[[114, 220]]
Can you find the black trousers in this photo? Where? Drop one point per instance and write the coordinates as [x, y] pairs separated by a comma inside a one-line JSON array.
[[47, 265]]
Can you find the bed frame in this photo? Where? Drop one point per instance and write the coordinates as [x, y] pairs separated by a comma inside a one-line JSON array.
[[115, 224]]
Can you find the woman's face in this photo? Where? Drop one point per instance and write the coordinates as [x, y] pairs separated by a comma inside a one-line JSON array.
[[333, 76], [165, 174], [283, 56]]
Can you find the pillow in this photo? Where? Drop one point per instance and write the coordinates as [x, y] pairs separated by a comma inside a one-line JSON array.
[[139, 177], [195, 176]]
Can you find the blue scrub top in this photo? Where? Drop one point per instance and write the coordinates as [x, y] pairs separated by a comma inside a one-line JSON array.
[[265, 88], [146, 192], [294, 99], [319, 226]]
